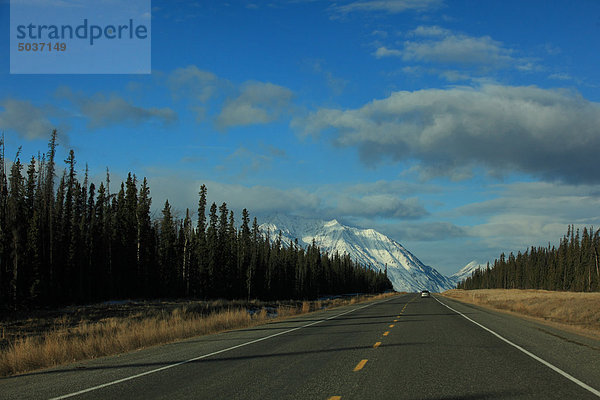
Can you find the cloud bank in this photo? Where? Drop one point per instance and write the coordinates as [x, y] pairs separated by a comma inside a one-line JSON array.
[[550, 134]]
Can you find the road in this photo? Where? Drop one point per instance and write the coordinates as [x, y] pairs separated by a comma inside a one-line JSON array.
[[405, 347]]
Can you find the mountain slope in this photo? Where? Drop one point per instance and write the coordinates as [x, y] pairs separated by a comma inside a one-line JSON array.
[[465, 272], [366, 246]]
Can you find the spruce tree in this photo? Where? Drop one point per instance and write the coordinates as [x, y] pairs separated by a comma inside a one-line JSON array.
[[186, 250], [144, 244], [167, 256], [200, 269], [17, 222], [4, 276]]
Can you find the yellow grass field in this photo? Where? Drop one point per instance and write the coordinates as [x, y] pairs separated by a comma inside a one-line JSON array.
[[87, 339], [574, 311]]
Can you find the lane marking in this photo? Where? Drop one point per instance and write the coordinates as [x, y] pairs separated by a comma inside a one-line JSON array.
[[392, 325], [360, 365], [212, 354], [386, 333], [335, 398], [395, 320], [516, 346], [376, 345]]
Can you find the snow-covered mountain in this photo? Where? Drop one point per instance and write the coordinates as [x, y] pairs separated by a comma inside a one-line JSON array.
[[465, 272], [365, 246]]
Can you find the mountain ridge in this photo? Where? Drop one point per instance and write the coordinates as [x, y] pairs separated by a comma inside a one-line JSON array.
[[466, 271], [366, 246]]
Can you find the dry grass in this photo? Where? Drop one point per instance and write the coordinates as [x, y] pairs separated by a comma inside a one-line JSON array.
[[65, 342], [115, 335], [579, 312]]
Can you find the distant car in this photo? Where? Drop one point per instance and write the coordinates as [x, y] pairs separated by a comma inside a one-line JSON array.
[[425, 293]]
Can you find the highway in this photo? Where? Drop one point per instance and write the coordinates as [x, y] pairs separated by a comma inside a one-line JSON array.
[[405, 347]]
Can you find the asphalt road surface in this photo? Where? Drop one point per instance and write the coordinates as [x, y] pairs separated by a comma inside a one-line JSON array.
[[405, 347]]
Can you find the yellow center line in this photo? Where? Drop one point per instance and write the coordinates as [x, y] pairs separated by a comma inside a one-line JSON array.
[[395, 320], [386, 333], [360, 365], [376, 345], [392, 325], [335, 398]]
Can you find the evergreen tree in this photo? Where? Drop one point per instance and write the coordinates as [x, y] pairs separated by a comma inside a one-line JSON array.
[[199, 276], [187, 251], [212, 255], [4, 276], [130, 238], [145, 259], [17, 214], [166, 251], [572, 266], [74, 244]]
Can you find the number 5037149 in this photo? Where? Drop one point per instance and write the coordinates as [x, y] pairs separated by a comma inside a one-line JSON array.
[[41, 46]]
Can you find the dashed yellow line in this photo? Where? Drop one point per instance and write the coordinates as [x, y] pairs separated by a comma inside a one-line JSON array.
[[335, 398], [376, 345], [392, 325], [386, 333], [360, 365], [395, 320]]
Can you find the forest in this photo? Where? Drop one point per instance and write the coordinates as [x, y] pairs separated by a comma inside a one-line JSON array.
[[573, 266], [64, 240]]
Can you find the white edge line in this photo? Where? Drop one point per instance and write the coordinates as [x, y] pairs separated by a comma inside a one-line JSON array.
[[210, 354], [546, 363]]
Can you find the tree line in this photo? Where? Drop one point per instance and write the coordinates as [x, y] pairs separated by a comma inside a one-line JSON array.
[[573, 266], [65, 240]]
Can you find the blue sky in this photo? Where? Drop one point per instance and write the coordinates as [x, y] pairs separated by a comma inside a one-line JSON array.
[[459, 128]]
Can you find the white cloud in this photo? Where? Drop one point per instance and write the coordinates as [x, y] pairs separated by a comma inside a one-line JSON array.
[[430, 31], [413, 70], [244, 104], [383, 51], [257, 103], [424, 231], [248, 160], [532, 213], [365, 203], [558, 201], [194, 82], [389, 6], [561, 76], [379, 33], [258, 199], [27, 120], [101, 110], [454, 76], [441, 46], [379, 205], [115, 110], [397, 187], [437, 45], [552, 134]]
